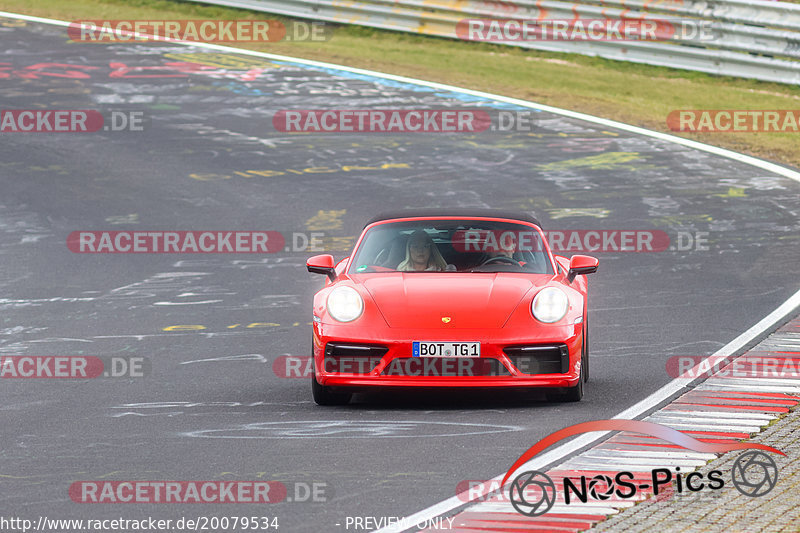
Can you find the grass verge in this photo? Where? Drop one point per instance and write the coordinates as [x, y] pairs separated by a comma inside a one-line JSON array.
[[636, 94]]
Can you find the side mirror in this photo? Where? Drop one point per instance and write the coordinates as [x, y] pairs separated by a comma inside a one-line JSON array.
[[322, 264], [581, 264]]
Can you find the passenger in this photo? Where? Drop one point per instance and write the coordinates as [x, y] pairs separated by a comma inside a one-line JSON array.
[[422, 254]]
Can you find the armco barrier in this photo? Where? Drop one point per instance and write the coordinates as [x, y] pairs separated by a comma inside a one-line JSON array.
[[756, 39]]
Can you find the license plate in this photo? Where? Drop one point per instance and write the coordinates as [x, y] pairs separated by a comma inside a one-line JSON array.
[[446, 349]]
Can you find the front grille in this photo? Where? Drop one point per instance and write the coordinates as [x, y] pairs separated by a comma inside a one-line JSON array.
[[539, 358], [352, 358], [445, 367]]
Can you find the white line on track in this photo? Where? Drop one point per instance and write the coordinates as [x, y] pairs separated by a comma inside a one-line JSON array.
[[667, 391]]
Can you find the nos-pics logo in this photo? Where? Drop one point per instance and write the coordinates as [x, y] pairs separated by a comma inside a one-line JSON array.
[[533, 493]]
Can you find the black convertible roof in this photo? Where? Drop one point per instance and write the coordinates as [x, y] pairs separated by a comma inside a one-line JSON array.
[[466, 212]]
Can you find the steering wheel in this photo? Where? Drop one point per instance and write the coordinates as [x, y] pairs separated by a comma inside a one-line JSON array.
[[501, 259]]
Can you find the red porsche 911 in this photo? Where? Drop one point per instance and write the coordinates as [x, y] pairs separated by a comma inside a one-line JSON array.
[[451, 298]]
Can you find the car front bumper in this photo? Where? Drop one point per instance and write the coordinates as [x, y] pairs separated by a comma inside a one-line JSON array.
[[509, 358]]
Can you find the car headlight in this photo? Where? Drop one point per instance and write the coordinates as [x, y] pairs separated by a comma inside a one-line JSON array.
[[345, 304], [550, 305]]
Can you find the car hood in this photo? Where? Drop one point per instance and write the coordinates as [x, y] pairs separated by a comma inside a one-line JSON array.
[[469, 300]]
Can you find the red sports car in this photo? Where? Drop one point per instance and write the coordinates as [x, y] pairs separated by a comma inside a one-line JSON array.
[[451, 298]]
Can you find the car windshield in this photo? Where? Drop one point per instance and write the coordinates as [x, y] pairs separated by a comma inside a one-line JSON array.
[[451, 246]]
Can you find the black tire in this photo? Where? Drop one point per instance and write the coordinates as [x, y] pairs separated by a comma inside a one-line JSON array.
[[585, 349], [324, 396], [574, 394], [569, 394]]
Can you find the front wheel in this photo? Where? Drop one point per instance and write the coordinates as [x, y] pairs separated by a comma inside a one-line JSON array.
[[569, 394], [324, 396], [574, 394], [585, 348]]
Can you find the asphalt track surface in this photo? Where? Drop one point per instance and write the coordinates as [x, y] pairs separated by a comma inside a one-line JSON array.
[[212, 408]]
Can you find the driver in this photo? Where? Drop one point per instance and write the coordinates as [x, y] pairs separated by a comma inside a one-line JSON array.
[[422, 254], [506, 246]]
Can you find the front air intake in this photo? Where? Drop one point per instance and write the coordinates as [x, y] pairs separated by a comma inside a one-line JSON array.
[[539, 358], [343, 358]]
